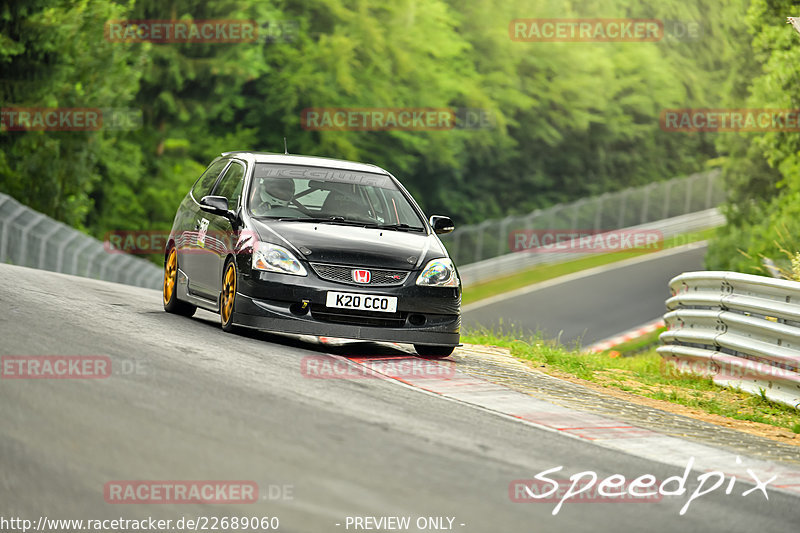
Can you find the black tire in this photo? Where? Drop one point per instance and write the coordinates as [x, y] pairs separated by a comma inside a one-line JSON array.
[[227, 297], [169, 289], [426, 351]]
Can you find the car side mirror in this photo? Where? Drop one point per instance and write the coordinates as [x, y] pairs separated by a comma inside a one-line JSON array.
[[441, 224], [216, 205]]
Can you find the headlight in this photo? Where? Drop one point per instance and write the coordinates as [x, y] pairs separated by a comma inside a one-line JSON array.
[[274, 258], [438, 273]]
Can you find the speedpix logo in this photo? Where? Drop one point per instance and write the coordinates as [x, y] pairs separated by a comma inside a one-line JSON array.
[[586, 487]]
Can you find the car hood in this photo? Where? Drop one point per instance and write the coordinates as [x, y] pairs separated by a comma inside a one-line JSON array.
[[352, 245]]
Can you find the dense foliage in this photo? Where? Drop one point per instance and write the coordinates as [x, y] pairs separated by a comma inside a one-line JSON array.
[[763, 169], [569, 119]]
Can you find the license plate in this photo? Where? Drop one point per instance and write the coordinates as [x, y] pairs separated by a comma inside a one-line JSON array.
[[363, 302]]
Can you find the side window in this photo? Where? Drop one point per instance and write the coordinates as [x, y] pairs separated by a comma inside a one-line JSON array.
[[400, 210], [230, 186], [208, 179]]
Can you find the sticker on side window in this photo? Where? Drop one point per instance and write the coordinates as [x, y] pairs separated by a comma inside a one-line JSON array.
[[201, 233]]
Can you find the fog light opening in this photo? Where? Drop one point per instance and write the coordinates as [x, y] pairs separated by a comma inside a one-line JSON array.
[[300, 308], [417, 320]]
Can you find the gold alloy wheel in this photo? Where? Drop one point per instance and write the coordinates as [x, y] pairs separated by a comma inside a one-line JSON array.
[[228, 293], [170, 275]]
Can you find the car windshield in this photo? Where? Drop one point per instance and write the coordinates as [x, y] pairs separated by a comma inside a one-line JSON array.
[[312, 194]]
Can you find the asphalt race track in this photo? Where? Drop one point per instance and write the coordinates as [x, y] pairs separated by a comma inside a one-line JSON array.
[[590, 308], [201, 404]]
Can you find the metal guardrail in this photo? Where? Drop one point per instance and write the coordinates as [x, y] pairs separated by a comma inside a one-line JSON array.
[[29, 238], [634, 206], [514, 262], [741, 330]]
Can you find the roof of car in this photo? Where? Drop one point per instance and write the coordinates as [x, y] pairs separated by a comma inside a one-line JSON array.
[[308, 160]]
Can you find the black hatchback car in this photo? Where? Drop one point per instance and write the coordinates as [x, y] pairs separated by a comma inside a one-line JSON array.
[[315, 246]]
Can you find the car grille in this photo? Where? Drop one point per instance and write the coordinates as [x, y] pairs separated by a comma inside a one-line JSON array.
[[358, 318], [343, 274]]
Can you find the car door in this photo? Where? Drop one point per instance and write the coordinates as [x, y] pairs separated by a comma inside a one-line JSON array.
[[190, 242], [219, 232]]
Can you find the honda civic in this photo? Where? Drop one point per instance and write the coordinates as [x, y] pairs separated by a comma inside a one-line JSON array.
[[314, 246]]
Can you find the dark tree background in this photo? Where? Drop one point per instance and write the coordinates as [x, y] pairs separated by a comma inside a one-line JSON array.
[[570, 119]]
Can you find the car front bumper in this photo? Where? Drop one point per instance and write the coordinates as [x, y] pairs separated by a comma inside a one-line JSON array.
[[295, 304]]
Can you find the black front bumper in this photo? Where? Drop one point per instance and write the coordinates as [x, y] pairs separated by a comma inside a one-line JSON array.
[[425, 315]]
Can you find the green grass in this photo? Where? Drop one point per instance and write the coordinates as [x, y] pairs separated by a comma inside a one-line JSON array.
[[541, 273], [646, 375], [638, 345]]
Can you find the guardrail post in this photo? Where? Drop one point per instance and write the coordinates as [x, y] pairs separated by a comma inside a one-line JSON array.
[[90, 263], [688, 200], [667, 199], [502, 239], [553, 211], [4, 239], [74, 270], [576, 209], [23, 253], [62, 248], [129, 270], [479, 245], [457, 240], [598, 214], [45, 239], [709, 189], [646, 204], [623, 208]]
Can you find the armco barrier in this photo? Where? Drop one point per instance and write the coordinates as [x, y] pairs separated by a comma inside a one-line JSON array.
[[29, 238], [741, 330]]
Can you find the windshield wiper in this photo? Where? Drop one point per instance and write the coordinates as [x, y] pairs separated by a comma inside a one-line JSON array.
[[398, 227], [341, 220], [324, 220]]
